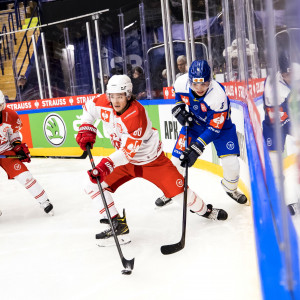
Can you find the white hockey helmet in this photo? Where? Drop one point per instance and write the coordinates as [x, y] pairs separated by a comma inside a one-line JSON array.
[[2, 101], [119, 84]]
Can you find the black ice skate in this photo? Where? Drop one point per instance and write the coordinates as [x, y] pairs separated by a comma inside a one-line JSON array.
[[162, 201], [294, 208], [214, 213], [48, 207], [105, 238], [237, 196]]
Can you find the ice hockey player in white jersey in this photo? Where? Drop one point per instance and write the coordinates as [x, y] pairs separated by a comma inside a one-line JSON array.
[[138, 154], [202, 104], [283, 78], [11, 144]]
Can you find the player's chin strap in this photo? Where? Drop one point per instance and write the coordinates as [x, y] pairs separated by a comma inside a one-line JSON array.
[[128, 264], [169, 249]]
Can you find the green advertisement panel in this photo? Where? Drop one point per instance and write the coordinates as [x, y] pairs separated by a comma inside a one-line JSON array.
[[59, 128], [153, 114]]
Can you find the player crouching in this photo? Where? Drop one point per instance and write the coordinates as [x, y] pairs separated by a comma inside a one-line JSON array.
[[138, 155]]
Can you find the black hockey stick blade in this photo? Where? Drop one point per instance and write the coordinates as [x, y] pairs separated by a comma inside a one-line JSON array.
[[173, 248], [83, 156], [170, 249], [128, 264]]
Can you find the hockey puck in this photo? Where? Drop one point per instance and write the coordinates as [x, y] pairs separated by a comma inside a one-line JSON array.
[[126, 272]]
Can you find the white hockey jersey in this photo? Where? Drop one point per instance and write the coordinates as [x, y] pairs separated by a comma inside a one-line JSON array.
[[131, 133], [9, 129], [283, 93]]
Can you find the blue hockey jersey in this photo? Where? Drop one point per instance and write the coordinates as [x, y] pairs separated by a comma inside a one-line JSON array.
[[211, 112]]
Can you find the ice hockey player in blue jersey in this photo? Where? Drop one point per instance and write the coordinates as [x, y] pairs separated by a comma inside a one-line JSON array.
[[202, 104], [283, 78]]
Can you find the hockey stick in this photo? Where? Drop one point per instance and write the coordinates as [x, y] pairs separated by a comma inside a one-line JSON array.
[[170, 249], [127, 264], [83, 156]]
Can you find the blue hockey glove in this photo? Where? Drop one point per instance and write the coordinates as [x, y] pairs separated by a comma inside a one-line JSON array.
[[182, 115], [190, 154]]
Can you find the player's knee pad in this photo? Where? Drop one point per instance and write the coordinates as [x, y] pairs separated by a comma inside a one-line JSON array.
[[231, 171], [176, 162], [24, 177]]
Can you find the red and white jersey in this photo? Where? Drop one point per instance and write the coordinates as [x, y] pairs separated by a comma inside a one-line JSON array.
[[9, 129], [131, 133]]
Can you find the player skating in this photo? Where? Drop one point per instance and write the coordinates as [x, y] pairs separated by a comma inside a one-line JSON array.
[[11, 144], [283, 78], [138, 154], [202, 103]]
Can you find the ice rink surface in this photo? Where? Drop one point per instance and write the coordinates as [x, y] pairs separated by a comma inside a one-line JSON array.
[[56, 258]]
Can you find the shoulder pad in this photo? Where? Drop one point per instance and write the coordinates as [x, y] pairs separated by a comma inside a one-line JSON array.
[[181, 84], [135, 119], [283, 91], [102, 100], [12, 118], [216, 97]]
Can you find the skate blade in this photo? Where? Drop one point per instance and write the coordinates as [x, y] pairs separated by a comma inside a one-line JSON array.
[[50, 213], [167, 204], [123, 240]]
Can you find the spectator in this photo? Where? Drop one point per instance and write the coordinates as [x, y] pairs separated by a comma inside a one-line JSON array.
[[164, 78], [22, 86], [181, 65], [105, 81], [129, 70], [22, 80], [139, 83]]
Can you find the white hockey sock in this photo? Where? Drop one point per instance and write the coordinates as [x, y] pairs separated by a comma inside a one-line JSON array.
[[32, 186], [230, 186], [231, 171], [194, 202], [93, 191]]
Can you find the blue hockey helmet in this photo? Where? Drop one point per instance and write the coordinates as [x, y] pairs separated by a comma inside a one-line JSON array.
[[199, 71]]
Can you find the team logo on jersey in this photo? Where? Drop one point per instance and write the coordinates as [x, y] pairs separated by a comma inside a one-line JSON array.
[[55, 130], [230, 145], [105, 115], [119, 126], [203, 107], [180, 145], [179, 183], [17, 166], [218, 120], [185, 99], [195, 107], [115, 140], [131, 148], [271, 112]]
